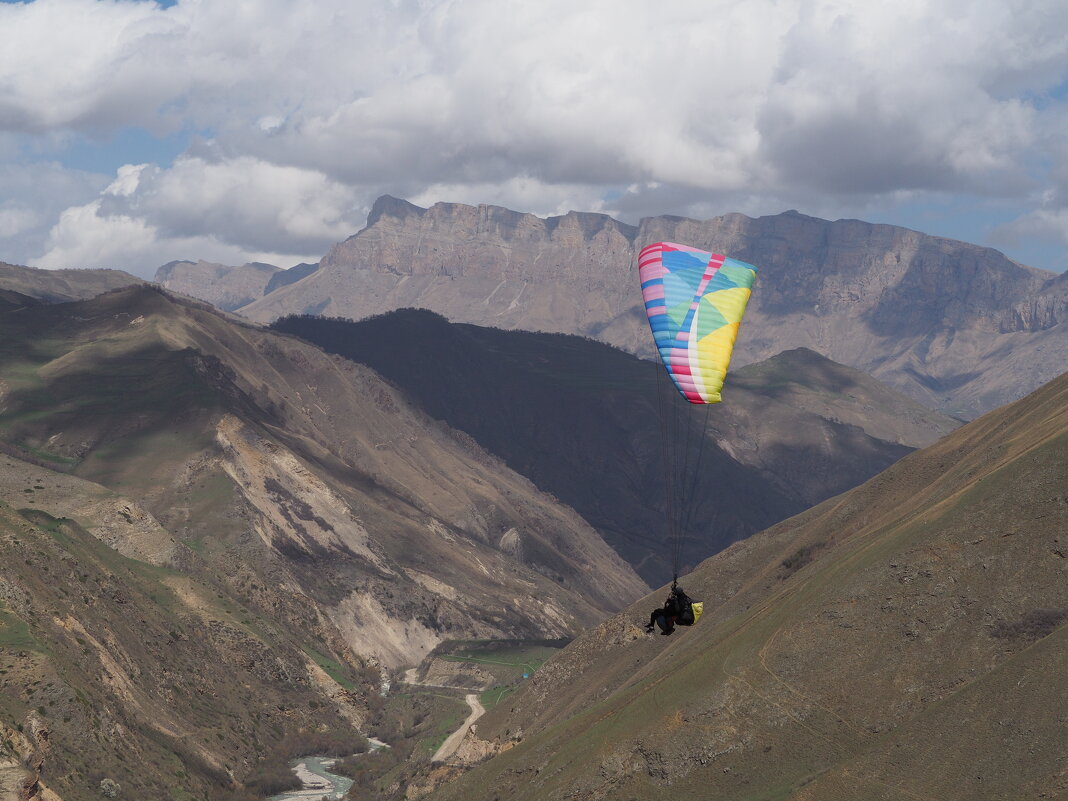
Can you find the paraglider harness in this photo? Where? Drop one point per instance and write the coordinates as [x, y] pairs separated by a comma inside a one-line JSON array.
[[689, 609], [686, 615], [679, 610]]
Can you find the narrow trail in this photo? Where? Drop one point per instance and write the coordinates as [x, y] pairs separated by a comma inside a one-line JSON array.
[[448, 748], [441, 686]]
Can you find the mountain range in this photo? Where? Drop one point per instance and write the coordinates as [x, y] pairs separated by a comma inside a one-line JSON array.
[[239, 489], [225, 431], [958, 327]]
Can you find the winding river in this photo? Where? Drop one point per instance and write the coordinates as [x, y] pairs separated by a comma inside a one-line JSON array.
[[318, 781]]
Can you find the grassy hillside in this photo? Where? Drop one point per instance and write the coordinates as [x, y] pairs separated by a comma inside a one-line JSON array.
[[905, 640]]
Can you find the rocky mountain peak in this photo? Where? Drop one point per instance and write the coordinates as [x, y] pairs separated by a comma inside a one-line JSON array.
[[165, 271], [389, 206], [591, 224]]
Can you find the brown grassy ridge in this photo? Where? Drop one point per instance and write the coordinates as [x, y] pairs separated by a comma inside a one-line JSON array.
[[921, 653]]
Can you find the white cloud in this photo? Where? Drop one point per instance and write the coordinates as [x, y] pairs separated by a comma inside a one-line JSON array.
[[84, 237], [92, 64], [244, 201], [233, 211], [521, 193], [16, 219], [1048, 223], [87, 237], [70, 62], [694, 106], [903, 97]]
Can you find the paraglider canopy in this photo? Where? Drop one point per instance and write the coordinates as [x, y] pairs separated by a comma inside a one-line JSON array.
[[695, 301]]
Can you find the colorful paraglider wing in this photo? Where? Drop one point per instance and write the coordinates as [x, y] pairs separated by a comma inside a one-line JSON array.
[[695, 301]]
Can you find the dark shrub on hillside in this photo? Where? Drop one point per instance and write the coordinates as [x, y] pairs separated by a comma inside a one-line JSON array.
[[799, 558], [272, 777], [1035, 625], [352, 766], [338, 743]]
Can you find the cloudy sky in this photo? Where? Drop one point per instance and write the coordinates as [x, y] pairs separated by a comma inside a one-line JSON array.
[[134, 132]]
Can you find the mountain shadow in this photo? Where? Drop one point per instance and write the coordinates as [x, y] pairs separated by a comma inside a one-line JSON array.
[[582, 420]]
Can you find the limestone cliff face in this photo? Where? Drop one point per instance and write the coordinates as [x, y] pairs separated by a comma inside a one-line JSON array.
[[482, 264], [956, 326]]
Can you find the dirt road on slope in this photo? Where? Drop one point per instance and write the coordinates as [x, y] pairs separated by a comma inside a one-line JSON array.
[[448, 748]]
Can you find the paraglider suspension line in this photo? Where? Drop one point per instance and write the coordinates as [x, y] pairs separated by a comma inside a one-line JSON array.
[[681, 477], [669, 466], [690, 502]]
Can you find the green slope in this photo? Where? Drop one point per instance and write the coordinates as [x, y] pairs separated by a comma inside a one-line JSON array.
[[919, 653]]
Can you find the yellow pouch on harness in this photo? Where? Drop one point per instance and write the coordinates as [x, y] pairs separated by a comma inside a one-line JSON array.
[[698, 608]]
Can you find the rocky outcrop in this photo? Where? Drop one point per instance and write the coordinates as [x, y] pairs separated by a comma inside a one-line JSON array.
[[22, 760], [956, 326]]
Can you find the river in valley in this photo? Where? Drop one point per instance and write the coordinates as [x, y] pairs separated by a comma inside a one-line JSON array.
[[319, 782]]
